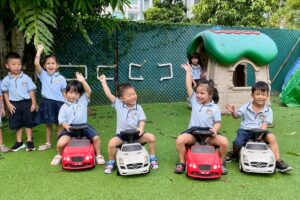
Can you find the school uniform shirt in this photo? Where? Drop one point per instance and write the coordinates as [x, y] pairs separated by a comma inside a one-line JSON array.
[[74, 113], [52, 85], [196, 72], [18, 87], [204, 115], [251, 119], [128, 118]]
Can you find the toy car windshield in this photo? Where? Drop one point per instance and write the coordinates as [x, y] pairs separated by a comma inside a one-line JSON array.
[[130, 148], [196, 149], [257, 147], [79, 143]]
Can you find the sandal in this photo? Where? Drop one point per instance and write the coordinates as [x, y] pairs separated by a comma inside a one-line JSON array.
[[56, 160], [100, 160], [4, 149], [180, 167], [44, 147]]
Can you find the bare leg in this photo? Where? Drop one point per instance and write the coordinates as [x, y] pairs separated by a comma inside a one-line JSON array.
[[19, 135], [150, 139], [221, 142], [97, 143], [62, 142], [112, 147], [273, 145], [48, 133], [181, 141]]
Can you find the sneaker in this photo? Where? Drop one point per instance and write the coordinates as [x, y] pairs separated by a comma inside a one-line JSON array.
[[154, 163], [44, 147], [231, 157], [224, 168], [4, 149], [100, 160], [109, 168], [17, 146], [180, 167], [56, 160], [30, 146], [282, 167]]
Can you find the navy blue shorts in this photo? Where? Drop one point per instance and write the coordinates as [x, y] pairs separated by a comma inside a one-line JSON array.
[[89, 133], [194, 128], [242, 137], [22, 116], [48, 112], [124, 138]]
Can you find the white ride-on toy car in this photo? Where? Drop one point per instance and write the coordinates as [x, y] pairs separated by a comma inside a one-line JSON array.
[[132, 158], [256, 156]]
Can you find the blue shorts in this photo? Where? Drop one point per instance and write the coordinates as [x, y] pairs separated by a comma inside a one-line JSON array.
[[242, 137], [89, 133], [48, 112], [22, 116], [124, 137], [194, 128]]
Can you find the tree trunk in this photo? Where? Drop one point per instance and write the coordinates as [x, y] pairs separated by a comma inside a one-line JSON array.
[[3, 49]]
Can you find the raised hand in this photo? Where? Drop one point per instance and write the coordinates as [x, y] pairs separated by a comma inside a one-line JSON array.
[[230, 108], [186, 67], [79, 77], [102, 78]]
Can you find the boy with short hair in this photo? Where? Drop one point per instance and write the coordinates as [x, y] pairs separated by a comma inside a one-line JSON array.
[[18, 91], [130, 115], [255, 115]]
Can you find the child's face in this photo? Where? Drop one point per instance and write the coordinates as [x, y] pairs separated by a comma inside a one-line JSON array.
[[14, 66], [72, 96], [195, 61], [202, 94], [129, 97], [260, 97], [51, 65]]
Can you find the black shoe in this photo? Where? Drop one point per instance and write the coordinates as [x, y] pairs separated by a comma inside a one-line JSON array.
[[282, 167], [17, 146], [30, 146], [180, 167], [231, 157], [224, 168]]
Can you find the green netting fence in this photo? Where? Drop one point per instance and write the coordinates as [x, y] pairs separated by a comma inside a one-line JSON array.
[[150, 51]]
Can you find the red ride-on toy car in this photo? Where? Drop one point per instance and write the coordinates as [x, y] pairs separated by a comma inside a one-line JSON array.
[[79, 152], [202, 160]]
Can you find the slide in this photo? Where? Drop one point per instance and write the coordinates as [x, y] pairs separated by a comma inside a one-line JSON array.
[[290, 95], [291, 72]]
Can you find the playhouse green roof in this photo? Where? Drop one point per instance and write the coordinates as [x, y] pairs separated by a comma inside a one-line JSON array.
[[229, 46]]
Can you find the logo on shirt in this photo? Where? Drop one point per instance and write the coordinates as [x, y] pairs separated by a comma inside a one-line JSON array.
[[209, 112], [24, 84], [262, 117], [57, 81]]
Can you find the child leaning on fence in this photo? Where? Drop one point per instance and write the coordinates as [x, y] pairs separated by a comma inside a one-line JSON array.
[[74, 112], [130, 115], [53, 89], [206, 115], [255, 115], [18, 91]]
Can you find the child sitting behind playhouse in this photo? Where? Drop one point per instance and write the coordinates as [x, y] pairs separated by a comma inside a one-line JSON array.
[[130, 115], [74, 112], [255, 115]]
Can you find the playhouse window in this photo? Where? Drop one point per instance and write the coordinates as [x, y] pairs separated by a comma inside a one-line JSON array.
[[243, 75]]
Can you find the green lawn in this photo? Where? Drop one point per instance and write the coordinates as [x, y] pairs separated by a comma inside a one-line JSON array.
[[28, 175]]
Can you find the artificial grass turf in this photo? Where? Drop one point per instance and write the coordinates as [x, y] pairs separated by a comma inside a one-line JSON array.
[[28, 175]]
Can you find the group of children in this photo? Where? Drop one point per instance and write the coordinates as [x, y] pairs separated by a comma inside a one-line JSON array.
[[65, 105]]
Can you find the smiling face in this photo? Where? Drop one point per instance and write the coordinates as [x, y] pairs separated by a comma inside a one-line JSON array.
[[195, 61], [51, 65], [260, 97], [202, 94], [14, 66], [72, 96], [129, 97]]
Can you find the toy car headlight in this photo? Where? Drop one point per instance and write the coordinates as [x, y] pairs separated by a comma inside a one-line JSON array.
[[245, 158], [67, 158], [121, 161], [87, 158], [146, 159], [272, 159]]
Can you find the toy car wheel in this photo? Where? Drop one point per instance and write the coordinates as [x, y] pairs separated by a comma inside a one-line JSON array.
[[118, 173]]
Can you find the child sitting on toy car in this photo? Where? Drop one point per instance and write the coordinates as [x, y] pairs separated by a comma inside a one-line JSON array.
[[255, 115], [130, 115], [205, 113], [74, 112]]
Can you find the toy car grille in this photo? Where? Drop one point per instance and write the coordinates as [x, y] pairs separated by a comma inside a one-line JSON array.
[[259, 164], [135, 166], [77, 159], [204, 167]]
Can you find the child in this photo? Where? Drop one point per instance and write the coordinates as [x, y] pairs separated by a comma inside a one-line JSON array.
[[53, 88], [205, 114], [255, 115], [198, 72], [20, 100], [130, 115], [3, 148], [74, 112]]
